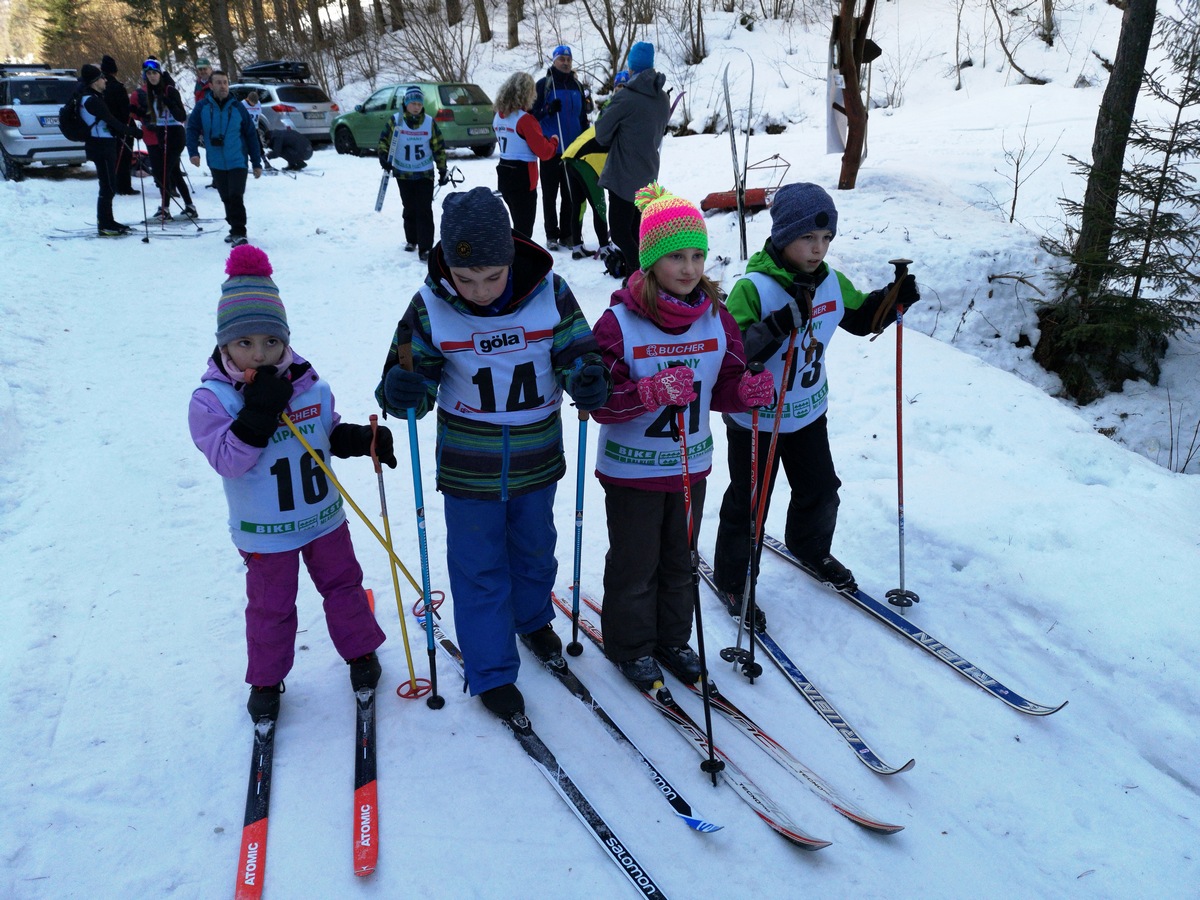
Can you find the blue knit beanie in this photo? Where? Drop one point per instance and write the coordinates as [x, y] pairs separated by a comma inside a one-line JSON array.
[[413, 95], [641, 57], [476, 230], [797, 209]]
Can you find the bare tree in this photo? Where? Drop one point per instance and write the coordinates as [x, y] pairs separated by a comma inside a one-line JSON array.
[[317, 32], [482, 23], [851, 39], [261, 44], [515, 14], [397, 8], [454, 13], [222, 33], [615, 29]]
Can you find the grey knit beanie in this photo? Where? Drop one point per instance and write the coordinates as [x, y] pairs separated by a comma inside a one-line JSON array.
[[797, 209], [476, 230]]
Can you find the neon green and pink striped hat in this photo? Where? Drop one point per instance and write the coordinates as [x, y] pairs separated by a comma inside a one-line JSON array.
[[669, 223]]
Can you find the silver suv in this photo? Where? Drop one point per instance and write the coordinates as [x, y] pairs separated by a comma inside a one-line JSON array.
[[30, 97], [302, 107]]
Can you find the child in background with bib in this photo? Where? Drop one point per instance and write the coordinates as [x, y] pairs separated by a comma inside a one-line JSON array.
[[282, 506], [419, 147], [493, 338], [669, 343]]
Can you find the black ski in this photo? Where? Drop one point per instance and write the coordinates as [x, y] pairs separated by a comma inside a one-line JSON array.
[[559, 669], [366, 790], [923, 640], [549, 766], [764, 807], [779, 753], [252, 858], [69, 234], [815, 698]]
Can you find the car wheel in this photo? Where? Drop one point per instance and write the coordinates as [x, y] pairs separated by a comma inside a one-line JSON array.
[[10, 167], [343, 141], [484, 149]]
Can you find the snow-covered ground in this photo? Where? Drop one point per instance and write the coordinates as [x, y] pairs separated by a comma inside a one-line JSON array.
[[1055, 558]]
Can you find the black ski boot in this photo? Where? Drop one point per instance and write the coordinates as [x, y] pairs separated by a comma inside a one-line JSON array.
[[264, 701], [832, 572], [504, 701], [733, 605], [682, 661], [364, 671], [643, 672], [545, 644]]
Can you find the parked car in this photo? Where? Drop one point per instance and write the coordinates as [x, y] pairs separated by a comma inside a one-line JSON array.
[[463, 113], [30, 97], [288, 99]]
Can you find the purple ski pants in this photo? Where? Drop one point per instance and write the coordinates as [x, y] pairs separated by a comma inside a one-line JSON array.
[[272, 580]]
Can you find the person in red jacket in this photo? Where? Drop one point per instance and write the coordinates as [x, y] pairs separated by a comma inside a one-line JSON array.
[[522, 144]]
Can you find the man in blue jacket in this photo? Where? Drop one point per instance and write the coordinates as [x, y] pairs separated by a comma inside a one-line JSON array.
[[229, 137], [561, 107]]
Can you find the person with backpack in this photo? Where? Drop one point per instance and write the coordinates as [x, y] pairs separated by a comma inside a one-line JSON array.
[[229, 137], [88, 115], [161, 111], [561, 107]]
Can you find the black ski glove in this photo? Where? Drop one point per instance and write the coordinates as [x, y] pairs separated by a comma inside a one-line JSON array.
[[443, 178], [348, 440], [591, 387], [554, 107], [134, 131], [383, 162], [403, 389], [265, 398], [784, 321], [908, 294]]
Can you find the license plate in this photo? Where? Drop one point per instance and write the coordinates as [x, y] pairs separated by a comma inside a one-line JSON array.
[[48, 121], [316, 115], [479, 131]]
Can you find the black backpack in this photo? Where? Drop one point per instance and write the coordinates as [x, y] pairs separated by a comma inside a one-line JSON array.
[[70, 120]]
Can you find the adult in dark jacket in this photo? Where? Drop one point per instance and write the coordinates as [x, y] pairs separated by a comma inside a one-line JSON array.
[[632, 129], [160, 108], [118, 104], [290, 146], [561, 107], [101, 146], [229, 138]]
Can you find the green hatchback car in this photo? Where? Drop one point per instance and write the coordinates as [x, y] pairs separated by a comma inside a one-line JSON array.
[[463, 113]]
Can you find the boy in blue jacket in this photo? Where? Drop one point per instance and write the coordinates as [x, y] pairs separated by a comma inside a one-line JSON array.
[[493, 338]]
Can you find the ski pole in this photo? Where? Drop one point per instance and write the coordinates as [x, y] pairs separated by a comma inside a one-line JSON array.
[[414, 451], [760, 490], [414, 687], [712, 765], [900, 597], [574, 648], [145, 215]]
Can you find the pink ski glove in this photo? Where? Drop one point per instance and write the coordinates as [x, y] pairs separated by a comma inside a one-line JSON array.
[[756, 389], [670, 387]]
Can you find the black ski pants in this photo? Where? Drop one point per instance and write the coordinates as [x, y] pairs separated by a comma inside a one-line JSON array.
[[599, 211], [103, 152], [513, 181], [812, 509], [624, 221], [416, 200], [231, 185], [648, 592], [559, 206]]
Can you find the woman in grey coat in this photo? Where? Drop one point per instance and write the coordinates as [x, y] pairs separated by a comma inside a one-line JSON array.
[[632, 129]]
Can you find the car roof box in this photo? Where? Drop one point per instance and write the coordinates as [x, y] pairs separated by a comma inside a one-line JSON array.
[[276, 70]]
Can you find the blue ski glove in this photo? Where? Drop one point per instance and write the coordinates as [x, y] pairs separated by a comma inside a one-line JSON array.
[[591, 387], [403, 389]]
